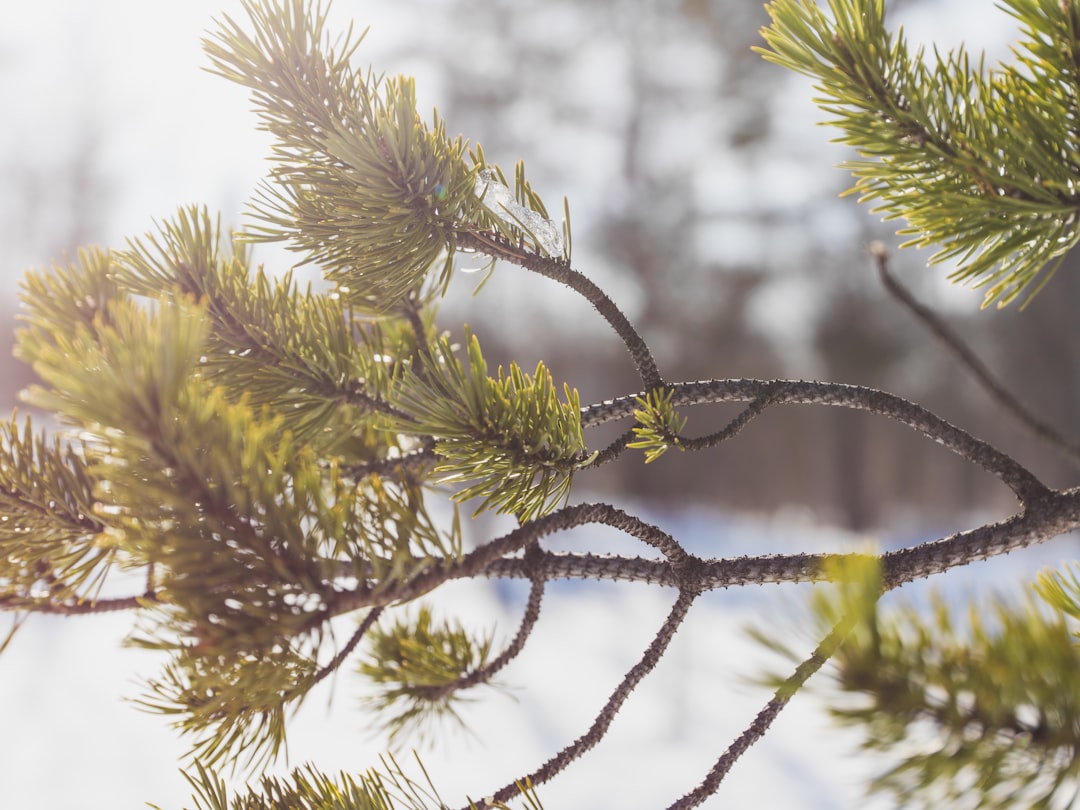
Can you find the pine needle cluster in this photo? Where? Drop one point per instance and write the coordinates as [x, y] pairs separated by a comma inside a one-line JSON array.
[[262, 453], [981, 162]]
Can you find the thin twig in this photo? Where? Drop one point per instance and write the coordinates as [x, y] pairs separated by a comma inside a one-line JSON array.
[[612, 451], [528, 623], [757, 728], [599, 727], [969, 360], [417, 459], [1014, 475], [492, 244], [732, 428], [335, 662], [33, 604]]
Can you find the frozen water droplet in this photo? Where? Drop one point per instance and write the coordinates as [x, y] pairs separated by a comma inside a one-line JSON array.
[[499, 200]]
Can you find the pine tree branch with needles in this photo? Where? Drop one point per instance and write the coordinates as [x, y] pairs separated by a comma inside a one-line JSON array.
[[275, 461]]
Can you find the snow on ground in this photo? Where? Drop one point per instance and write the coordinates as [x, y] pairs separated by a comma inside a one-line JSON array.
[[71, 740]]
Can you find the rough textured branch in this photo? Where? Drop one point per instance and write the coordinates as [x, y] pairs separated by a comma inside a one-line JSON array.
[[1014, 475], [598, 729], [563, 273]]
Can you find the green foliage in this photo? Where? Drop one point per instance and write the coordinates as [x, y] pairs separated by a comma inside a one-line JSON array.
[[986, 715], [360, 184], [1061, 590], [509, 439], [417, 664], [216, 413], [658, 425], [50, 535], [846, 607], [982, 164], [306, 789], [233, 703], [286, 349], [261, 452]]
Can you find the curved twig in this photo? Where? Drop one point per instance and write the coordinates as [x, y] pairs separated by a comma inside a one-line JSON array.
[[1021, 481], [514, 648], [492, 244], [335, 662], [612, 451], [653, 653], [969, 360], [729, 431], [477, 561], [417, 459], [732, 428]]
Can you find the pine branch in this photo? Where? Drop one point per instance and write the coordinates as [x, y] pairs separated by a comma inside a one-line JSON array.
[[476, 562], [992, 705], [283, 348], [360, 184], [529, 619], [1011, 473], [599, 727], [53, 535], [509, 440], [981, 164], [969, 360], [560, 270], [342, 654], [417, 664]]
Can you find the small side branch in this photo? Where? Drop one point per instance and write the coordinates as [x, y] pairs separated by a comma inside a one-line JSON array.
[[32, 604], [599, 727], [415, 460], [528, 623], [1019, 479], [732, 428], [350, 645], [969, 360], [756, 730], [476, 562], [493, 245]]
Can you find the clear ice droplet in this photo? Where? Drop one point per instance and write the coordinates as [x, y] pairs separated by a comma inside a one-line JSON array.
[[499, 200]]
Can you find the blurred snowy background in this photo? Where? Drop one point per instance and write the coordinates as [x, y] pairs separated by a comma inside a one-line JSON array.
[[704, 200]]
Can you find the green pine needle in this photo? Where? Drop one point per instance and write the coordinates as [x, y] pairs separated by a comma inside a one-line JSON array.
[[507, 440], [359, 183], [982, 164], [658, 425], [416, 664]]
